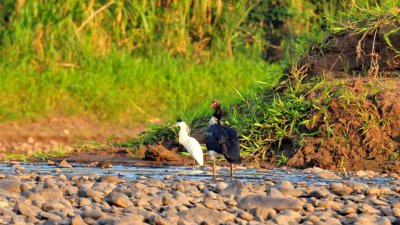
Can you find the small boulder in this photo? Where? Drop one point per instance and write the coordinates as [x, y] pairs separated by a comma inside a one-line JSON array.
[[64, 164], [118, 199], [279, 204], [10, 185], [111, 179], [235, 188], [220, 186], [202, 215]]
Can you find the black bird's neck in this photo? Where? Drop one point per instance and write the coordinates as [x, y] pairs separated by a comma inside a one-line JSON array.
[[218, 113]]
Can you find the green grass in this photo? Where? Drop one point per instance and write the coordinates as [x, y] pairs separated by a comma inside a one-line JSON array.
[[138, 61], [128, 89]]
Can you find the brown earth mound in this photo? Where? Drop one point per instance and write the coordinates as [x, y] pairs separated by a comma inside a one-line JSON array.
[[351, 53], [361, 128], [356, 132]]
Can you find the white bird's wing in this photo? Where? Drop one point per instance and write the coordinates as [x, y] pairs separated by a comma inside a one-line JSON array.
[[194, 149]]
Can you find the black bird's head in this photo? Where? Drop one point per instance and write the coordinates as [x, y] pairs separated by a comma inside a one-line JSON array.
[[215, 104]]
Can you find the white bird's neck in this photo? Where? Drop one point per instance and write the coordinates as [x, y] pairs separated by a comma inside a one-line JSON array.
[[183, 134]]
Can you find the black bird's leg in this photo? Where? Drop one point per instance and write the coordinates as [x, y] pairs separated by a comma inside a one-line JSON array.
[[214, 173], [231, 172]]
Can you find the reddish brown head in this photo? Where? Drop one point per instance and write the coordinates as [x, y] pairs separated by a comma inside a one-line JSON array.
[[215, 104]]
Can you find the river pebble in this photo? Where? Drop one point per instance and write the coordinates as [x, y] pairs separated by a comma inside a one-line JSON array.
[[86, 198]]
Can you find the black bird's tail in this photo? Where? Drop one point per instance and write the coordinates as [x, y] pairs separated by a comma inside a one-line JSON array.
[[232, 151]]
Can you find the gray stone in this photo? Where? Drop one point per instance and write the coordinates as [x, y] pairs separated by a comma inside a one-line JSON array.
[[92, 213], [181, 198], [64, 164], [200, 215], [330, 221], [52, 205], [396, 212], [263, 212], [235, 188], [97, 196], [178, 186], [51, 194], [6, 212], [245, 215], [50, 222], [18, 220], [77, 220], [50, 183], [373, 191], [274, 193], [365, 208], [220, 186], [25, 186], [71, 190], [111, 179], [340, 189], [361, 173], [279, 204], [367, 219], [51, 216], [358, 187], [292, 214], [118, 199], [327, 204], [308, 207], [214, 204], [348, 210], [209, 194], [107, 221], [168, 200], [27, 209], [130, 218], [10, 185], [156, 183], [158, 220], [318, 193], [325, 174], [287, 189]]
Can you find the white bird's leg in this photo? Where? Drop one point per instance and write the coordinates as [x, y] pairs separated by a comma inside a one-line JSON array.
[[214, 168], [231, 172], [194, 165]]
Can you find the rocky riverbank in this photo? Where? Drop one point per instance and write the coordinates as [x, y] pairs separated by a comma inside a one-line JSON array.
[[28, 197]]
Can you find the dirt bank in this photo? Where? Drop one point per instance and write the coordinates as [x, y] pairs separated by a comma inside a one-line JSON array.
[[63, 134]]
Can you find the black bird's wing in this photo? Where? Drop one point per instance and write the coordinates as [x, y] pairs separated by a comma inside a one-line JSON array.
[[211, 139], [223, 140], [230, 144]]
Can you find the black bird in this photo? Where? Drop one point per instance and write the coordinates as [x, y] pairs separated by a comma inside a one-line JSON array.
[[223, 140]]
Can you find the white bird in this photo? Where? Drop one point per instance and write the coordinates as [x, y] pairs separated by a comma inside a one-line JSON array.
[[190, 144]]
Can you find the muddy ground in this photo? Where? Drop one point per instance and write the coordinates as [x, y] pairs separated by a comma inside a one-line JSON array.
[[66, 134]]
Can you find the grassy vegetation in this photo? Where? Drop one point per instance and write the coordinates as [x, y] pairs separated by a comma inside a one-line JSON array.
[[128, 61], [137, 61], [127, 89]]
